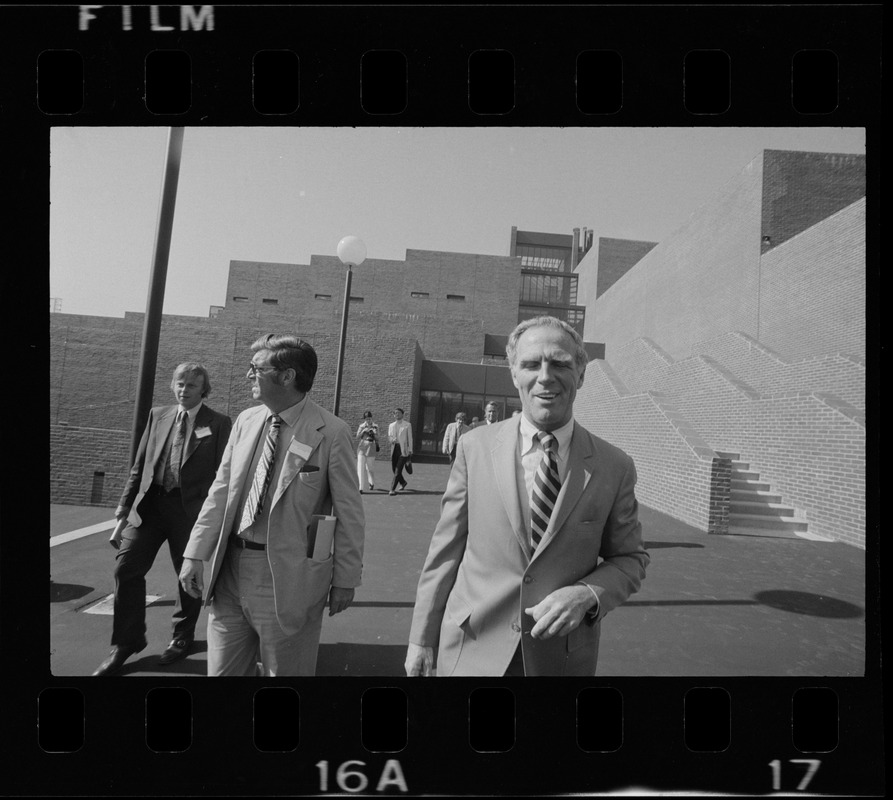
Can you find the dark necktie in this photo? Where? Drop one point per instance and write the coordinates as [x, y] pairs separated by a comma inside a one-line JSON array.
[[546, 486], [262, 476], [172, 469]]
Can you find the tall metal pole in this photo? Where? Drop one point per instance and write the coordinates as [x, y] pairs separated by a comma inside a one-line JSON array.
[[341, 343], [157, 278]]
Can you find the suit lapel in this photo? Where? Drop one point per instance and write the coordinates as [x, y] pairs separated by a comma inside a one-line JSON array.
[[162, 431], [505, 455], [580, 468], [243, 450], [202, 418], [307, 432]]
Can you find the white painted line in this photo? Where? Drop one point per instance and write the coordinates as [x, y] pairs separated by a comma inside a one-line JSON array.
[[107, 604], [62, 538]]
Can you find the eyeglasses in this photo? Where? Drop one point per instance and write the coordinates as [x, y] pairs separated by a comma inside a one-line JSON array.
[[253, 368]]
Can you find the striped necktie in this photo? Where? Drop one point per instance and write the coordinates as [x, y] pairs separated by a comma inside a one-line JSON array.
[[546, 486], [262, 476], [172, 468]]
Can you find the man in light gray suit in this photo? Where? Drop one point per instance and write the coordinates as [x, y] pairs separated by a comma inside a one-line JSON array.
[[538, 537], [288, 463]]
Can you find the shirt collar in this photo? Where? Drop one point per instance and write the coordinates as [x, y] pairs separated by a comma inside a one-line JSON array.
[[192, 412], [563, 435], [291, 414]]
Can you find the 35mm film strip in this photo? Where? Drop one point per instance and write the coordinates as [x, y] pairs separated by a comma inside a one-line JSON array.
[[453, 66]]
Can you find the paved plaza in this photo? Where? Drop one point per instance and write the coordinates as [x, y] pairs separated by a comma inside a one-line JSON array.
[[710, 605]]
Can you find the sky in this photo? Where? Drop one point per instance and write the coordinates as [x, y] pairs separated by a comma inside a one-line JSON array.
[[284, 194]]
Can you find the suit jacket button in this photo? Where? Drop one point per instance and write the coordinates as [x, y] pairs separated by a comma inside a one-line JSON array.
[[528, 579]]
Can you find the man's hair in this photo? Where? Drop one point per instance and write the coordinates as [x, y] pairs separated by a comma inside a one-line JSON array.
[[492, 403], [399, 409], [581, 358], [461, 415], [192, 368], [290, 352], [367, 414]]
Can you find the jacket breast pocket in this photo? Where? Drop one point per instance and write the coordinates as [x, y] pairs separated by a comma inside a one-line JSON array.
[[312, 480]]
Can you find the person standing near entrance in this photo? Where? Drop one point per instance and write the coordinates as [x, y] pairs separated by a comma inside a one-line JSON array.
[[400, 437], [491, 413], [175, 464], [451, 436]]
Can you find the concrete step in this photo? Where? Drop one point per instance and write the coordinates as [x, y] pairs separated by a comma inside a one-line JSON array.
[[745, 475], [767, 522], [775, 533], [749, 485], [724, 454], [754, 496], [764, 507]]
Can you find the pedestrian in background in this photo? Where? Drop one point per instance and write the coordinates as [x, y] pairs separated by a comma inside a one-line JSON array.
[[367, 433], [400, 437], [451, 437]]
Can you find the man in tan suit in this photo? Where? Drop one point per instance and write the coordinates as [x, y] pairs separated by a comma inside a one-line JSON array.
[[287, 461], [451, 436], [538, 537]]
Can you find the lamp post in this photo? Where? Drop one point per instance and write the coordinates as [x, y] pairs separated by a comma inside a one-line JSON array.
[[352, 253]]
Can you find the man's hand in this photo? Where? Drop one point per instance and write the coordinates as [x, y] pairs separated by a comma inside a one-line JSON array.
[[117, 534], [420, 661], [339, 600], [560, 612], [191, 577]]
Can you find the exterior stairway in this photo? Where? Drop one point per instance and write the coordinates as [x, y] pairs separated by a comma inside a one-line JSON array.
[[755, 510]]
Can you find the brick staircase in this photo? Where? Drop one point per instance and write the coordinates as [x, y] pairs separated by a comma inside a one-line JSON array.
[[755, 510]]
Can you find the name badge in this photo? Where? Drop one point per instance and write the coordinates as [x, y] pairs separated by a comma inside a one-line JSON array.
[[300, 449], [201, 433]]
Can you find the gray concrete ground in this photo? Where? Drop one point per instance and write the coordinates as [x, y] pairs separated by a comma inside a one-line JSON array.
[[710, 605]]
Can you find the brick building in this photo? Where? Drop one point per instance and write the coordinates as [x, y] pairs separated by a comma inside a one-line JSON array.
[[732, 367], [426, 334]]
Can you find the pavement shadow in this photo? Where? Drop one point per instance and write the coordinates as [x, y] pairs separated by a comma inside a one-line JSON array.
[[813, 605], [63, 592], [661, 545], [362, 660], [187, 666]]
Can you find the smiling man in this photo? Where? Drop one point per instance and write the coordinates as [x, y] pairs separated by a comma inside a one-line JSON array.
[[538, 537], [273, 563], [175, 464]]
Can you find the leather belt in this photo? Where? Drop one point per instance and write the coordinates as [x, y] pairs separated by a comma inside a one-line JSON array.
[[244, 544]]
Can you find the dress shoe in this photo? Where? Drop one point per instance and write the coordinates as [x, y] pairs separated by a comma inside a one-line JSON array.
[[177, 649], [118, 655]]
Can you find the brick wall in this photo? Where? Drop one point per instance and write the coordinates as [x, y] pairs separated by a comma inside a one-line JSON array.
[[703, 280], [458, 297], [812, 289], [678, 473], [807, 441], [77, 453], [616, 257], [94, 370], [801, 189], [764, 370]]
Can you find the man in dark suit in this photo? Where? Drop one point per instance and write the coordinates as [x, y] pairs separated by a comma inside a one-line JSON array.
[[538, 537], [175, 465]]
